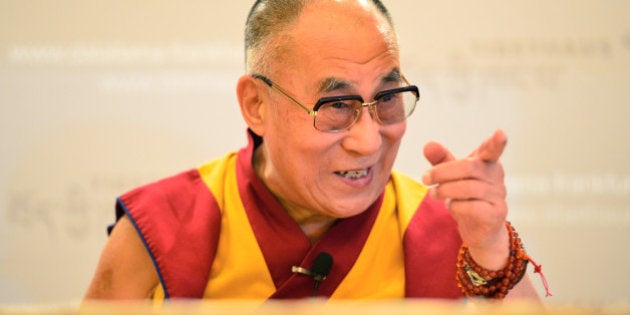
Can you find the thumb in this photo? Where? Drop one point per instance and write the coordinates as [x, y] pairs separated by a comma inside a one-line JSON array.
[[436, 153], [492, 148]]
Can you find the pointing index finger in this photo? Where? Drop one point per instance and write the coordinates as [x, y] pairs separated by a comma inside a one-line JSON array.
[[492, 149]]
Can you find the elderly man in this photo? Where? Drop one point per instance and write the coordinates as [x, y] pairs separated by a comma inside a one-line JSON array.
[[311, 206]]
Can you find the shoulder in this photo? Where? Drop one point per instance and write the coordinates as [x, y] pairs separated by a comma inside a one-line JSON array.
[[182, 189], [161, 194]]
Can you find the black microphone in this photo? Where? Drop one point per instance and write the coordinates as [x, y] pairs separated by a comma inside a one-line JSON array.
[[319, 269], [321, 266]]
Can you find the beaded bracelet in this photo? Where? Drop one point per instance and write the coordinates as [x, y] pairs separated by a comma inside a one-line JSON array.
[[474, 280]]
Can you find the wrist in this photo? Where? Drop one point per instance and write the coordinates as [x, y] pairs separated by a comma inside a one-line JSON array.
[[475, 280], [493, 255]]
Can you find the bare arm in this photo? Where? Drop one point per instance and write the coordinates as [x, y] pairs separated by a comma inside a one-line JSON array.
[[125, 269]]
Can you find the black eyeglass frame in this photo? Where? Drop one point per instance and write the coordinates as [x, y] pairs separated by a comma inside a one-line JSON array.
[[324, 100]]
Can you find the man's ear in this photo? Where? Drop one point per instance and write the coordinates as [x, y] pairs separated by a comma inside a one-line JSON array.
[[250, 99]]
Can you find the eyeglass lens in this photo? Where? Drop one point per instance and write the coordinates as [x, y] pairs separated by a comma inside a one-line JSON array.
[[390, 108]]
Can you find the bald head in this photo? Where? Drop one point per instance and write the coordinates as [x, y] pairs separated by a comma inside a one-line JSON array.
[[267, 25]]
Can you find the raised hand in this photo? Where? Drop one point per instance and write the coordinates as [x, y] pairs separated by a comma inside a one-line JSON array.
[[474, 191]]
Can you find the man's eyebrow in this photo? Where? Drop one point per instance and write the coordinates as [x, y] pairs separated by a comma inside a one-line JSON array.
[[393, 76], [332, 84]]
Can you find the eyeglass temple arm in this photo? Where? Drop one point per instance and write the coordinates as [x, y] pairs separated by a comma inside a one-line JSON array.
[[263, 78], [274, 86]]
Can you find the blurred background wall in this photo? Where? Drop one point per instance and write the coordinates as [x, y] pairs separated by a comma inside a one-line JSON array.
[[97, 97]]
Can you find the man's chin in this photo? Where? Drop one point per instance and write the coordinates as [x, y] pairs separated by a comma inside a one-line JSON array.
[[351, 208]]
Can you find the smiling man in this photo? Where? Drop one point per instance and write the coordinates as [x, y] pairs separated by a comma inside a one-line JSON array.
[[326, 102]]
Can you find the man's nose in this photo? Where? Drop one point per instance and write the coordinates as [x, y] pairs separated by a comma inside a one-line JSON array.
[[364, 135]]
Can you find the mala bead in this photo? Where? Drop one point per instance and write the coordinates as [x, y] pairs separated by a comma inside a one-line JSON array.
[[475, 280]]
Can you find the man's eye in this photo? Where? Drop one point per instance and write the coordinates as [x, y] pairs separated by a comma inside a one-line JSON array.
[[387, 97], [339, 105]]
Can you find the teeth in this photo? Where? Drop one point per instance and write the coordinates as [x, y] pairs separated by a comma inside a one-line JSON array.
[[354, 174]]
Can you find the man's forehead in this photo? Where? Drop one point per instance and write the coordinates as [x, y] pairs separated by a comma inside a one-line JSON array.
[[332, 83]]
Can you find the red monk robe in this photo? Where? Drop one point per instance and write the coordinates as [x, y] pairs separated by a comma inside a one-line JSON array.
[[218, 232]]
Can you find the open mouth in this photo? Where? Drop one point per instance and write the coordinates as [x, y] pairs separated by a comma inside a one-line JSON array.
[[356, 174]]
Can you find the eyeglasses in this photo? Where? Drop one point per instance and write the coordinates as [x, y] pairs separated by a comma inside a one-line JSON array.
[[333, 114]]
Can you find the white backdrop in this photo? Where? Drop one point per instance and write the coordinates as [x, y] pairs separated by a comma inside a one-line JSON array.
[[99, 97]]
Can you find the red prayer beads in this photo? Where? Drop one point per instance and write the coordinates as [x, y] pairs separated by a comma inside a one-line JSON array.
[[474, 280]]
